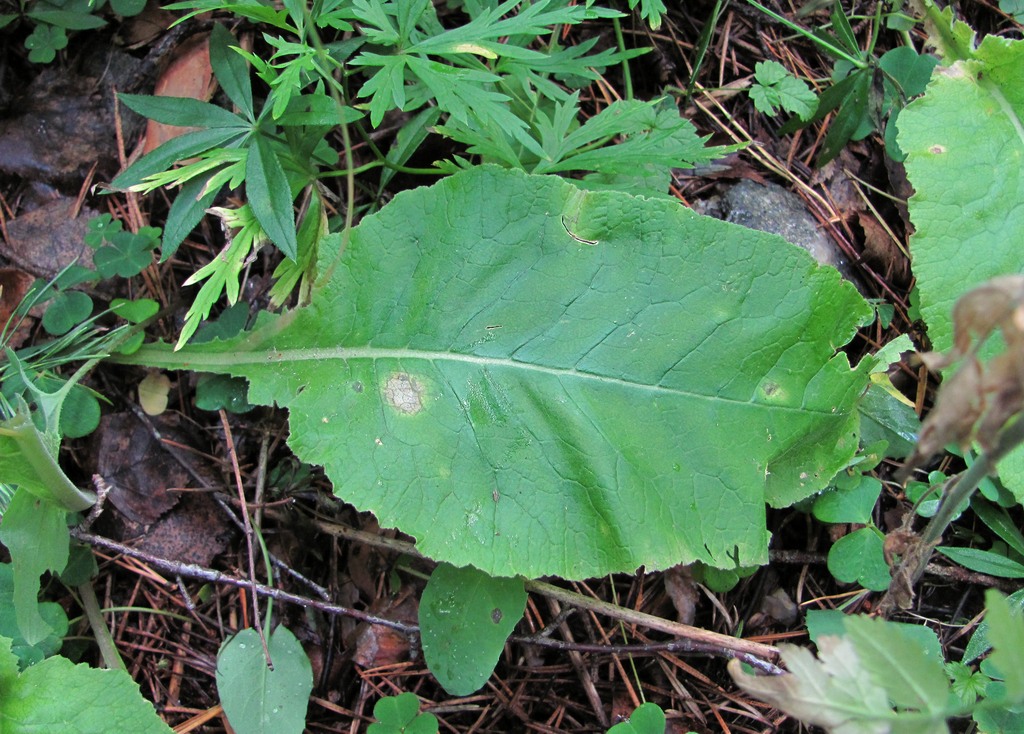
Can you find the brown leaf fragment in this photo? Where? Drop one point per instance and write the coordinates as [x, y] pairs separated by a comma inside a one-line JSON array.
[[14, 284], [141, 474], [189, 74], [978, 400], [682, 590], [376, 645]]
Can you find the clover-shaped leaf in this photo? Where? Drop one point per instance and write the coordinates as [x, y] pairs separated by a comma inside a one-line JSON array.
[[858, 558], [128, 252], [44, 43], [401, 715]]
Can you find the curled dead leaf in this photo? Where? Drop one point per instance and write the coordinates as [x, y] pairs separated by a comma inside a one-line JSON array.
[[975, 403]]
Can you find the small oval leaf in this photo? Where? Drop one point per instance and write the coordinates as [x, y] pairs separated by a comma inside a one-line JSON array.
[[465, 618]]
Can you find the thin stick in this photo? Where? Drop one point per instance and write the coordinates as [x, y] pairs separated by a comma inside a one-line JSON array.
[[192, 571], [710, 642], [248, 535]]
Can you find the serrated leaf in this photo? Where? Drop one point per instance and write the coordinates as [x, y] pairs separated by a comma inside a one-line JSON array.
[[1006, 628], [847, 691], [465, 617], [897, 661], [980, 641], [834, 692], [477, 375], [256, 699], [179, 148], [58, 696], [270, 196]]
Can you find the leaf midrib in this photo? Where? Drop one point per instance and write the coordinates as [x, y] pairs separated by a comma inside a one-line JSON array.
[[159, 356]]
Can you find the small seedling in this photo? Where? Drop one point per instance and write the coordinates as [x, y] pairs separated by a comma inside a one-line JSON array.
[[776, 89], [401, 715]]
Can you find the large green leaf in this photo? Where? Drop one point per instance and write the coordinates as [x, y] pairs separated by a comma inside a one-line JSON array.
[[964, 141], [58, 696], [532, 379], [965, 157]]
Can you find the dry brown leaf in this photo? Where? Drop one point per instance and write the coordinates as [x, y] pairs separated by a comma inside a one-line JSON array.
[[977, 401], [188, 75]]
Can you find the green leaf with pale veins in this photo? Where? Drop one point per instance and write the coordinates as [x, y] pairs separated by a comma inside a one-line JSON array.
[[533, 379], [964, 141]]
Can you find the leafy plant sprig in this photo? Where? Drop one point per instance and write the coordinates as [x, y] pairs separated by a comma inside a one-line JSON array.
[[872, 675], [867, 91]]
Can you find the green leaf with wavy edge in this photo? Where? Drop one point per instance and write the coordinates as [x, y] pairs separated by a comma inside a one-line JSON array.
[[52, 615], [533, 379], [58, 696], [36, 534], [465, 617], [964, 141]]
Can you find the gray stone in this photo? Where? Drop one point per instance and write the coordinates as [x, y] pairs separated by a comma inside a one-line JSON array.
[[771, 208]]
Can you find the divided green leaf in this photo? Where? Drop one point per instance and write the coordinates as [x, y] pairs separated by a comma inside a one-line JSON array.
[[777, 88], [401, 715]]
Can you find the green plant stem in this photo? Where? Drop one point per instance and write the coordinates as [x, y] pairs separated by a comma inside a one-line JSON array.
[[960, 489], [702, 47], [823, 43], [627, 78], [105, 641], [58, 488]]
